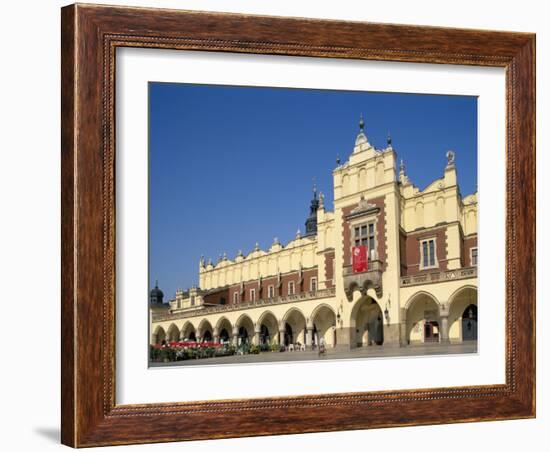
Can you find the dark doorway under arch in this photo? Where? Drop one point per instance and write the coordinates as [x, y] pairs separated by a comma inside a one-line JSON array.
[[243, 335], [431, 331], [264, 334], [224, 335], [469, 323], [289, 337]]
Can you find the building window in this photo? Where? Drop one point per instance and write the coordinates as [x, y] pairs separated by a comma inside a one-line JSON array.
[[473, 256], [270, 292], [313, 284], [364, 234], [291, 288], [235, 297], [222, 300], [252, 294], [428, 254]]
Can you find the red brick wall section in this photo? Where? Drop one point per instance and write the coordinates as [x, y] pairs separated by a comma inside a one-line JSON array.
[[265, 285], [469, 242], [286, 279], [380, 231], [216, 297], [232, 290], [307, 275], [412, 250], [272, 280], [250, 285], [329, 269]]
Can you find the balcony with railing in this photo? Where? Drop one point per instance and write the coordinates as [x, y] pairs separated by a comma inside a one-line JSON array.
[[438, 277], [372, 278]]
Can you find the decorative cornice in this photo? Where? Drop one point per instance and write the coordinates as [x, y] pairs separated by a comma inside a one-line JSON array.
[[363, 208]]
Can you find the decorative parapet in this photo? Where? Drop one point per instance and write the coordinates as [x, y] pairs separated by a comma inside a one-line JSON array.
[[437, 277], [363, 281], [319, 294]]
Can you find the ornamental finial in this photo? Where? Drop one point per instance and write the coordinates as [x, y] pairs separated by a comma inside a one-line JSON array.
[[314, 188], [450, 158]]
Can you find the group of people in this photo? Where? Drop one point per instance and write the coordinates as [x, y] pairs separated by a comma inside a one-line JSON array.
[[302, 347]]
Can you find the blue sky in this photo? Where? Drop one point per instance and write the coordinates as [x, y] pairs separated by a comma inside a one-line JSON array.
[[231, 166]]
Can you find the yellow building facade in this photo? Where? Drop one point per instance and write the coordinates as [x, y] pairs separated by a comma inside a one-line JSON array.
[[420, 285]]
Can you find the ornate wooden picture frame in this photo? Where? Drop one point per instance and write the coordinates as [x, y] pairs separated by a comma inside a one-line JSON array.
[[90, 37]]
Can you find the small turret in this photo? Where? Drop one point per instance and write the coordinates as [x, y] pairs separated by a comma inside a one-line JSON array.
[[311, 222], [156, 296]]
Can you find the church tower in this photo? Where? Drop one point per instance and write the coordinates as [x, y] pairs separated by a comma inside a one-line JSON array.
[[311, 222]]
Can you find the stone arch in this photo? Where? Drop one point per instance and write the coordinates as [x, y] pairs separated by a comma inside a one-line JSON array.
[[323, 318], [366, 323], [422, 318], [294, 324], [418, 294], [268, 326], [173, 333], [245, 329], [354, 291], [188, 332], [159, 335], [458, 303], [224, 329], [205, 330]]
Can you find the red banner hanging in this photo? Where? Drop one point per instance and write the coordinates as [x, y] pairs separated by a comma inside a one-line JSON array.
[[360, 259]]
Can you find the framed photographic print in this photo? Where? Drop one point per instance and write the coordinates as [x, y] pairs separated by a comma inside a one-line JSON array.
[[282, 225]]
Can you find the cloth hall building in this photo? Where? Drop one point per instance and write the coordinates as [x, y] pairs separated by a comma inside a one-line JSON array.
[[420, 284]]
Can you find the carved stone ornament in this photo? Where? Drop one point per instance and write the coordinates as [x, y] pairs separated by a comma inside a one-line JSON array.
[[362, 208]]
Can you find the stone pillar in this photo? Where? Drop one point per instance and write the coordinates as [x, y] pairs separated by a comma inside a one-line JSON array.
[[281, 337], [444, 337], [235, 337], [444, 323], [257, 330], [344, 339], [309, 338], [392, 334]]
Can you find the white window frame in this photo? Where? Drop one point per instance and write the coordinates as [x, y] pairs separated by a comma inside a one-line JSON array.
[[421, 244], [252, 294], [471, 256], [313, 280], [293, 285], [235, 297], [271, 291], [364, 221]]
